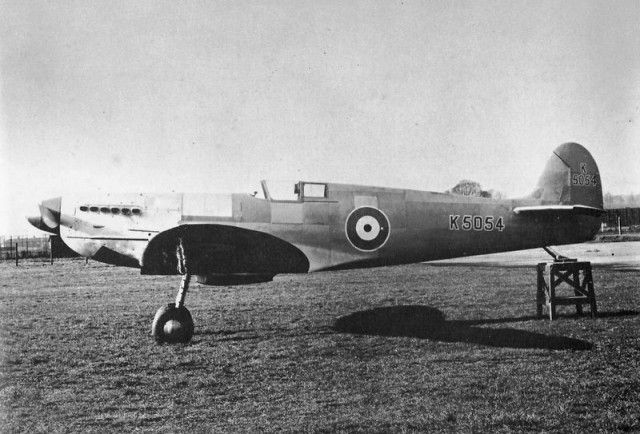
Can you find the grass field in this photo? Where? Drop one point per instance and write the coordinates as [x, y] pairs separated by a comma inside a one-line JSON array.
[[363, 350]]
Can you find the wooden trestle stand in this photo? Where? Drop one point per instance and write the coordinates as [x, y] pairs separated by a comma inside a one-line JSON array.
[[576, 274]]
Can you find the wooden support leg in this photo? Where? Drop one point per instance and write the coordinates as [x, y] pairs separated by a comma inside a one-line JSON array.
[[540, 293], [576, 290], [551, 299], [592, 294]]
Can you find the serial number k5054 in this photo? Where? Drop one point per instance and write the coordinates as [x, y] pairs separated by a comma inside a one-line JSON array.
[[586, 179], [475, 223]]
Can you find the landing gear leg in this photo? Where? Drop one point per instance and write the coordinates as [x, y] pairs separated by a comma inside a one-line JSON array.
[[182, 292], [173, 323]]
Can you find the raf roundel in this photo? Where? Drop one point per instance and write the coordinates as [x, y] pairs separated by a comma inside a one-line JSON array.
[[367, 228]]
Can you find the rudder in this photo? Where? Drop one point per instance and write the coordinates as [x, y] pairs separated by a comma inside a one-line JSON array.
[[571, 177]]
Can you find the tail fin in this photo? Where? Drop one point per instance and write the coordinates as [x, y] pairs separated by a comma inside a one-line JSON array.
[[571, 177]]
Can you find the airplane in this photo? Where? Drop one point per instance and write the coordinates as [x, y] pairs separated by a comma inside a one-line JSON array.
[[230, 239]]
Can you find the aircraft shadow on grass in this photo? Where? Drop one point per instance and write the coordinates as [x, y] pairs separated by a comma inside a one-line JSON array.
[[624, 312], [429, 323]]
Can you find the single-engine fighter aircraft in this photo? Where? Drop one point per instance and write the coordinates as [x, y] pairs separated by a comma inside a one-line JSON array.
[[242, 238]]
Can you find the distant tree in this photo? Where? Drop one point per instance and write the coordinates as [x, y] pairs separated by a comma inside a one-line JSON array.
[[467, 187], [613, 201]]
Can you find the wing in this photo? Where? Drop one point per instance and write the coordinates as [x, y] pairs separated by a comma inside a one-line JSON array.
[[214, 249]]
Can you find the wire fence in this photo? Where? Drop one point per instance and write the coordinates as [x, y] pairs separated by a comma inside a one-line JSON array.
[[17, 247], [628, 218], [24, 247]]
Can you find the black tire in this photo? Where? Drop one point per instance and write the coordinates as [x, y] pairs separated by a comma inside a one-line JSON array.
[[171, 313]]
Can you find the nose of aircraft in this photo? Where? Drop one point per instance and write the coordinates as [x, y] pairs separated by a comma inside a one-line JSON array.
[[49, 218]]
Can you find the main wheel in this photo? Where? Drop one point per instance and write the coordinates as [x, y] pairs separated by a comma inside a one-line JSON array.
[[172, 325]]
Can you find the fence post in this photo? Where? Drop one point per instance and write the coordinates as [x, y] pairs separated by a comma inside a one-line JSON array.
[[16, 254], [619, 231], [51, 250]]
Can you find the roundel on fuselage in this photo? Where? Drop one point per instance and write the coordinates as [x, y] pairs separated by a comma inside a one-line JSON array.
[[367, 228]]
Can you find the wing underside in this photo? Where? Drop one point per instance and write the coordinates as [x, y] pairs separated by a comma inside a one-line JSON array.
[[212, 249]]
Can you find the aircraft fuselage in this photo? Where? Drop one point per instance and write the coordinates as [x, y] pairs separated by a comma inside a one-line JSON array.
[[393, 226]]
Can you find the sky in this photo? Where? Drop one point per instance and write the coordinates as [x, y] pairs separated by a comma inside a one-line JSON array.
[[212, 96]]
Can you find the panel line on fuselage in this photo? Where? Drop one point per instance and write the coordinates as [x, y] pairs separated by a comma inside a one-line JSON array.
[[108, 238]]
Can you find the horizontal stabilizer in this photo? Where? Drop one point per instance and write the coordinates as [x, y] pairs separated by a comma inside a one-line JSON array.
[[570, 209]]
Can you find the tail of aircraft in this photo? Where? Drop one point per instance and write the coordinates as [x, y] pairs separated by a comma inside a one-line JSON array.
[[571, 177]]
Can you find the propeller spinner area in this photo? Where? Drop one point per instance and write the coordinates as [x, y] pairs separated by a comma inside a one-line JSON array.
[[49, 218]]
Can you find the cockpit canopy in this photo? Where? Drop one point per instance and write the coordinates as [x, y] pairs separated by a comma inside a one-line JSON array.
[[294, 191]]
